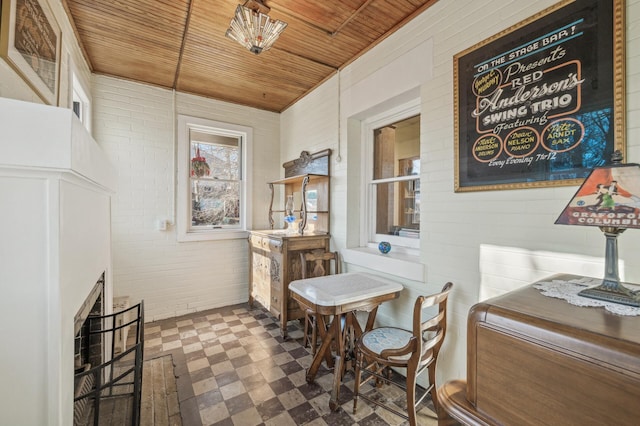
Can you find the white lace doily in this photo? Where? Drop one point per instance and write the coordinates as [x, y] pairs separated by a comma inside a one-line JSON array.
[[568, 290]]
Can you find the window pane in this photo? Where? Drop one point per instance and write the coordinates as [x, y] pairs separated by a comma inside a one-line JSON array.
[[409, 166], [398, 208], [224, 162], [396, 149], [396, 154], [383, 153], [218, 161], [212, 182], [215, 180], [76, 109], [215, 203]]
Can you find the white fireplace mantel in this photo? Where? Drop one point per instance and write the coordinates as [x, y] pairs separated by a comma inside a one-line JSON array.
[[55, 203]]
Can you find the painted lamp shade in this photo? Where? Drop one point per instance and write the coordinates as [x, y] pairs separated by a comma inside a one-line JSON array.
[[609, 198]]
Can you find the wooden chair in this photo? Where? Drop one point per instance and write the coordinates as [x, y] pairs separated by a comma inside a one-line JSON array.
[[316, 263], [415, 350]]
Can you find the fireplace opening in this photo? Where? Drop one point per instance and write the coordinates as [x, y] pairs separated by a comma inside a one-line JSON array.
[[88, 346], [108, 377]]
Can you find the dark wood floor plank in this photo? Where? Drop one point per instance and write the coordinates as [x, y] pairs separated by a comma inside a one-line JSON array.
[[159, 395]]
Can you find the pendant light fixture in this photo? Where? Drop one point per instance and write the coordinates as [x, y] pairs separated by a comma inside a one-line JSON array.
[[253, 28]]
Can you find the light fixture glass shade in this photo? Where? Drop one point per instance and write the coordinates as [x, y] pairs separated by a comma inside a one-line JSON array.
[[254, 30], [609, 198]]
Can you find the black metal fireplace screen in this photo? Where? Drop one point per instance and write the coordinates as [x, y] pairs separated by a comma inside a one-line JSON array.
[[110, 393]]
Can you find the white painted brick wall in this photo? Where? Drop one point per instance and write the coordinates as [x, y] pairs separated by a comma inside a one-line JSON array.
[[487, 243], [312, 125], [134, 124]]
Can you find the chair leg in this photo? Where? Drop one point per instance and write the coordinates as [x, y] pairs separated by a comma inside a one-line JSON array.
[[434, 391], [411, 396], [384, 372], [314, 335], [356, 384], [305, 337]]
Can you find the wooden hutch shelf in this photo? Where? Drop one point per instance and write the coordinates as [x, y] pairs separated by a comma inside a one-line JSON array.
[[315, 207], [275, 253]]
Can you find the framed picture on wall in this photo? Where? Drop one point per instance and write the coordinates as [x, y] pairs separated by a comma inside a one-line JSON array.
[[30, 41], [541, 103]]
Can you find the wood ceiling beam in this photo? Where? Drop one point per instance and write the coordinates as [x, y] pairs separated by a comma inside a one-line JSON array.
[[182, 44], [307, 58], [300, 18], [362, 7], [331, 33]]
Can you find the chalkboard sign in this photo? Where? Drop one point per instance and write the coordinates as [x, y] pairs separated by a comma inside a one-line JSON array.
[[541, 103]]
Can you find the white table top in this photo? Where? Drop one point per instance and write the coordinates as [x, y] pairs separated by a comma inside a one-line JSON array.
[[340, 289]]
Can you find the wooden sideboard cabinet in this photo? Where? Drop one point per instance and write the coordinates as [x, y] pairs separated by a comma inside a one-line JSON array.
[[275, 262], [536, 360], [274, 254]]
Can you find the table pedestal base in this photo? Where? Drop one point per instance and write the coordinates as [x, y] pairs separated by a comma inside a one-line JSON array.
[[342, 333]]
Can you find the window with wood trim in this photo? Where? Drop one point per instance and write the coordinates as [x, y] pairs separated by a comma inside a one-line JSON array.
[[212, 179], [392, 147]]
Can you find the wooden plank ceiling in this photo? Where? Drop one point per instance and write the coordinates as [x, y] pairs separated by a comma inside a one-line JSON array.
[[180, 44]]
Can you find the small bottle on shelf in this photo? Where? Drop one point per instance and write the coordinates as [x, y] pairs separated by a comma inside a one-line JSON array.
[[290, 217]]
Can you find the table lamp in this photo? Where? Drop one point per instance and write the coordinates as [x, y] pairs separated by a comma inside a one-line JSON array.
[[609, 198]]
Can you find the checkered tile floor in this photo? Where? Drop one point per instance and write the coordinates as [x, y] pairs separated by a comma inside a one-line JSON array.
[[234, 368]]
